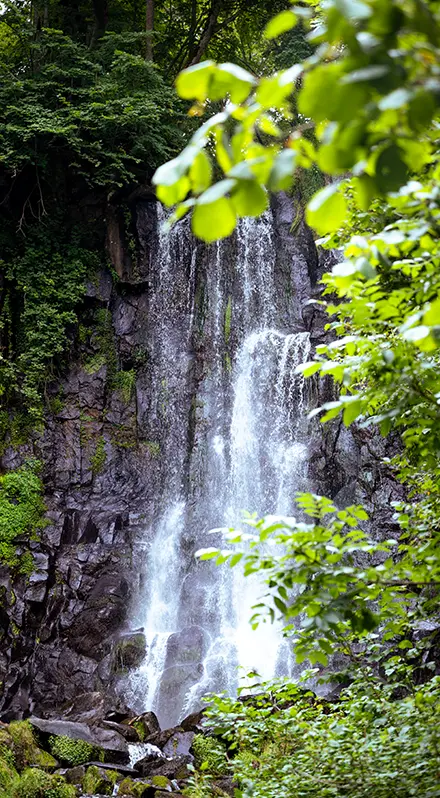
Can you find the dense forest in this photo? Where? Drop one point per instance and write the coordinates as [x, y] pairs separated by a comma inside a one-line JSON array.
[[215, 105]]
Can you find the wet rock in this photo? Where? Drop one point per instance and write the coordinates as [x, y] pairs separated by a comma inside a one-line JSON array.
[[146, 725], [176, 768], [126, 731], [133, 788], [97, 780], [179, 744], [94, 708], [161, 738], [74, 775], [129, 651], [114, 747], [192, 722]]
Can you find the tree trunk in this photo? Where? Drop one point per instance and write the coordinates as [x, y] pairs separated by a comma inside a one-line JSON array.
[[207, 33], [149, 27]]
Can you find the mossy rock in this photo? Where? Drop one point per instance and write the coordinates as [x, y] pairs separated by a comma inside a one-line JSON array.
[[98, 780], [129, 652], [135, 789], [25, 748], [74, 752], [35, 783], [161, 782]]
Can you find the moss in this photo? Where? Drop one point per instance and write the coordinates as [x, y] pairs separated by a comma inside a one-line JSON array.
[[7, 754], [99, 781], [8, 776], [139, 727], [134, 789], [94, 363], [73, 752], [35, 783], [124, 382], [228, 319], [153, 447], [98, 459], [161, 782], [21, 513], [26, 750]]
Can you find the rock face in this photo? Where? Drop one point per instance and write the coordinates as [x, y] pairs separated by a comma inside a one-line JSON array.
[[121, 433]]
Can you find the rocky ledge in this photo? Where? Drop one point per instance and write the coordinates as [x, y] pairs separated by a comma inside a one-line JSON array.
[[97, 749]]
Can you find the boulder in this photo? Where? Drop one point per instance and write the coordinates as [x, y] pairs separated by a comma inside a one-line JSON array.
[[175, 768], [179, 744], [128, 732], [95, 707], [192, 722], [111, 743], [129, 652], [97, 780], [74, 775], [161, 738], [146, 725], [224, 786]]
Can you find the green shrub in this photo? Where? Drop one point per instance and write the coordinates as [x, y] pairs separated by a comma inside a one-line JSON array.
[[73, 752], [209, 755], [288, 742]]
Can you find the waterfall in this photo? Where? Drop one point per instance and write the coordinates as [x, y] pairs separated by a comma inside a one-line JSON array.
[[248, 453]]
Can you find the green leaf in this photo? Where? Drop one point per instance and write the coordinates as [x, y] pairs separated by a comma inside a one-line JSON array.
[[352, 410], [391, 170], [214, 220], [249, 198], [283, 22], [327, 209], [232, 80], [193, 83], [200, 173], [396, 99], [216, 191]]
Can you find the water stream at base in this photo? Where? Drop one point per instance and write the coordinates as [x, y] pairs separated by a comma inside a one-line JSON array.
[[254, 458]]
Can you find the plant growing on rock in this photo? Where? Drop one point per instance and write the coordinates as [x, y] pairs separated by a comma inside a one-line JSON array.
[[73, 752], [21, 514]]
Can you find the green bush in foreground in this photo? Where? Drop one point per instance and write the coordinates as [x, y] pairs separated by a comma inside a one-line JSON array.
[[288, 742]]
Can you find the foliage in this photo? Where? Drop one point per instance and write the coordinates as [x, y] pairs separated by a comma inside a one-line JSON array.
[[98, 113], [44, 282], [209, 755], [125, 383], [369, 92], [286, 741], [73, 752], [21, 513]]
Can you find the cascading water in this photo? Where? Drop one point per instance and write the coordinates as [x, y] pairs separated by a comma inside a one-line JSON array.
[[248, 453]]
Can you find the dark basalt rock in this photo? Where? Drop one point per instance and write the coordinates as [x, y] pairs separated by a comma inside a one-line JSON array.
[[112, 744], [192, 722], [179, 744], [148, 724], [62, 628], [175, 768]]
